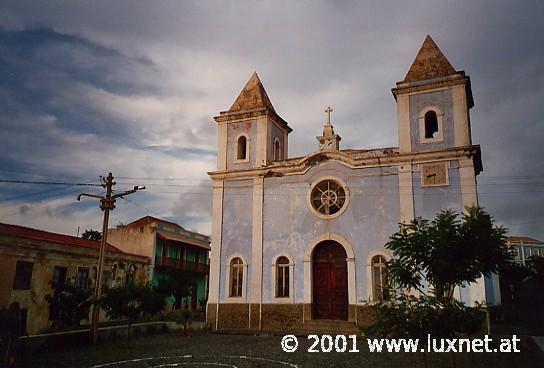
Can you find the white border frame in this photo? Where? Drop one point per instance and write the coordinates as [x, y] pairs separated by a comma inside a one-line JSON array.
[[369, 275], [352, 277], [439, 118], [236, 299], [346, 192], [276, 139], [248, 141], [291, 298], [447, 166]]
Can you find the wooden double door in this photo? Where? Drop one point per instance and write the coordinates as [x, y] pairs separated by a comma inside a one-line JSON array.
[[330, 281]]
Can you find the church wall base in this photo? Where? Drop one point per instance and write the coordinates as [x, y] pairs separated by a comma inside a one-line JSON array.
[[275, 317], [364, 315]]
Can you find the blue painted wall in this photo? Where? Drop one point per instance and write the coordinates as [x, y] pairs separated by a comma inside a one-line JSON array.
[[428, 201], [237, 226], [233, 131], [275, 132], [290, 226], [441, 99]]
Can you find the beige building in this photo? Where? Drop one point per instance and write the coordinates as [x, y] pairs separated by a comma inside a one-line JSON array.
[[30, 259]]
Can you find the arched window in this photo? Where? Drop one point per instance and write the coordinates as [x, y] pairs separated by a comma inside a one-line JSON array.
[[277, 150], [379, 278], [431, 124], [282, 277], [242, 148], [236, 277]]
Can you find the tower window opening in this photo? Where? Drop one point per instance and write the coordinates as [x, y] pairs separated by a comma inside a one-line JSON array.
[[242, 148], [277, 150], [431, 124]]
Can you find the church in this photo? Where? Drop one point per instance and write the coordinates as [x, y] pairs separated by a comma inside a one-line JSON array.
[[298, 239]]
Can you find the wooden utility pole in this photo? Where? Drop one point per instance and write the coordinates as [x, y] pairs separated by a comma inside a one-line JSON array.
[[107, 203]]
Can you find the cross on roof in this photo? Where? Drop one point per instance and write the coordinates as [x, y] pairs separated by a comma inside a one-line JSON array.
[[328, 110]]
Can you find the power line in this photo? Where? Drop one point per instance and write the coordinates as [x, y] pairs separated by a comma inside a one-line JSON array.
[[237, 192], [501, 181], [141, 206], [48, 183], [32, 194]]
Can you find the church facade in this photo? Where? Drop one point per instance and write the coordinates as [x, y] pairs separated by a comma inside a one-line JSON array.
[[301, 239]]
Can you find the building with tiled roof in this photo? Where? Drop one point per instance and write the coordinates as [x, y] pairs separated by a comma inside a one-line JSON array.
[[523, 248], [30, 259], [170, 247]]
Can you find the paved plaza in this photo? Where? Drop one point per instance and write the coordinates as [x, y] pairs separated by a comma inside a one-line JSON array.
[[174, 350]]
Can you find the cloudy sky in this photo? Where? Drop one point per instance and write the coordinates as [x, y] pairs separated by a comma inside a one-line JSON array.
[[131, 87]]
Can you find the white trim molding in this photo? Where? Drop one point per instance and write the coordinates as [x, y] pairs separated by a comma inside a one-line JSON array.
[[280, 152], [406, 193], [236, 160], [352, 284], [273, 297], [438, 165], [368, 267], [236, 299], [346, 194], [439, 117]]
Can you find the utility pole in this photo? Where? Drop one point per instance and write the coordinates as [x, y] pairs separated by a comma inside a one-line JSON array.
[[107, 203]]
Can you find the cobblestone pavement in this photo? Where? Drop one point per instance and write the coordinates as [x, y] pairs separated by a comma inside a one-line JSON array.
[[174, 350]]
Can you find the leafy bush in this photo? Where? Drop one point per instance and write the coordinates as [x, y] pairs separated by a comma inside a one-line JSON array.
[[416, 317], [68, 304], [131, 302]]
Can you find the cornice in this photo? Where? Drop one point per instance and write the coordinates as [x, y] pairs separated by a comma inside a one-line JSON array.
[[235, 116], [301, 166]]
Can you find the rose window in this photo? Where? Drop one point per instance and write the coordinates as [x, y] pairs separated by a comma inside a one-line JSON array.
[[328, 197]]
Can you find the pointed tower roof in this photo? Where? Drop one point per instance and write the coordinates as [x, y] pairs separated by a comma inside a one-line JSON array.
[[253, 96], [429, 63]]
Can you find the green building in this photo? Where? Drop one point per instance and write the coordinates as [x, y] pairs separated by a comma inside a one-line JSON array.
[[170, 247]]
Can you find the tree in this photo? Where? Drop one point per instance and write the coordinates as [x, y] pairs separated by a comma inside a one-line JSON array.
[[203, 301], [446, 252], [176, 283], [416, 317], [131, 302], [184, 317], [536, 264], [512, 276], [92, 235], [68, 304]]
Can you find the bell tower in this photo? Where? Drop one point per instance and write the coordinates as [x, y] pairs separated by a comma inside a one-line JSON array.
[[251, 134], [433, 103]]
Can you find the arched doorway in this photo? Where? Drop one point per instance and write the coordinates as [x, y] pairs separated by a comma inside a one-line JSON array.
[[330, 281]]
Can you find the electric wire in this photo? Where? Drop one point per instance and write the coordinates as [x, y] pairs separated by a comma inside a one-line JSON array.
[[48, 183]]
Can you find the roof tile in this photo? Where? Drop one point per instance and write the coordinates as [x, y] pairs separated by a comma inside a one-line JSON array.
[[29, 233], [253, 96], [429, 63]]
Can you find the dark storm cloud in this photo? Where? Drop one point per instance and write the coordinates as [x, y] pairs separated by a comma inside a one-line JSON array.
[[196, 56], [44, 73]]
